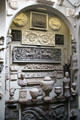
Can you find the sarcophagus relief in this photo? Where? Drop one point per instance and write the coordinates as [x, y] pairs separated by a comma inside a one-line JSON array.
[[36, 55]]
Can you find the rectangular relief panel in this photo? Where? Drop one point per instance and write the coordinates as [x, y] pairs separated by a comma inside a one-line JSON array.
[[38, 75], [38, 20], [30, 37], [36, 55], [42, 67]]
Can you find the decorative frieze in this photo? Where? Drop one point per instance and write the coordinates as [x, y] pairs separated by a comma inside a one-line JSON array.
[[42, 67], [58, 74], [36, 55], [39, 74], [38, 38]]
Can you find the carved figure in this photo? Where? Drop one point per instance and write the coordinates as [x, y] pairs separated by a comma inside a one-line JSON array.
[[22, 81], [47, 86], [74, 64], [11, 93], [13, 4], [73, 89], [66, 85]]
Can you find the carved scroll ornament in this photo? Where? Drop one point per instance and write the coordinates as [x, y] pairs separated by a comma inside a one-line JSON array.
[[57, 112], [38, 38]]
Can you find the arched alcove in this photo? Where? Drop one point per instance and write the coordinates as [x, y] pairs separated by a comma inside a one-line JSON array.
[[42, 48]]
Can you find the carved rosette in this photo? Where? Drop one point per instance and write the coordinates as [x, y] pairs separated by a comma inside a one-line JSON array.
[[38, 38]]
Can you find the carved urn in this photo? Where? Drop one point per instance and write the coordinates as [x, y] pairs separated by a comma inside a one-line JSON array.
[[58, 91], [35, 92], [47, 86]]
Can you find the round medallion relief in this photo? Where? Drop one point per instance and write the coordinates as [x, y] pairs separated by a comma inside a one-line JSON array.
[[55, 23], [20, 20]]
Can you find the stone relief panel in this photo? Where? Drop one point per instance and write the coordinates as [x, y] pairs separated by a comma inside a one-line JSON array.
[[38, 38], [42, 67], [39, 74], [36, 55], [53, 112], [55, 23], [22, 95], [20, 20], [13, 4]]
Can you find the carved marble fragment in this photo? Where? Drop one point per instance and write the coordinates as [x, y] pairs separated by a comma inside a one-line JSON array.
[[13, 4]]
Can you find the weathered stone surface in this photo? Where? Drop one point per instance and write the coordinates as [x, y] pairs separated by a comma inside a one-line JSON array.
[[14, 68], [42, 67], [38, 38], [36, 54], [13, 76], [13, 4], [44, 112]]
